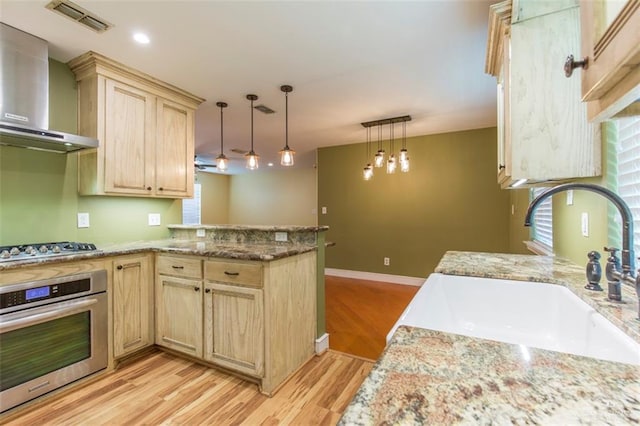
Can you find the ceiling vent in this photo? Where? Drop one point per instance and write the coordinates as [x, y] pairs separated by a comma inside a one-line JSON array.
[[265, 109], [80, 15]]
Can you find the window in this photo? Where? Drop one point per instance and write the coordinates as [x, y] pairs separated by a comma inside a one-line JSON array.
[[542, 229], [191, 207], [623, 174]]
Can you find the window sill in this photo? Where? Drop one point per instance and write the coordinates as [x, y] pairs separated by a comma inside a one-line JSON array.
[[539, 248]]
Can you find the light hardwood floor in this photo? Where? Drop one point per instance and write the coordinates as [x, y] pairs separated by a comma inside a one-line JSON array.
[[164, 389], [360, 313]]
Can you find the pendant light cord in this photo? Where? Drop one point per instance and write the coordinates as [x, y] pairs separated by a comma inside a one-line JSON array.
[[221, 133], [286, 120], [251, 125]]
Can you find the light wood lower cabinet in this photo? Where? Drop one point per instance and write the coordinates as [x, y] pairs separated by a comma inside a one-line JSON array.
[[132, 304], [255, 318], [234, 328], [179, 314]]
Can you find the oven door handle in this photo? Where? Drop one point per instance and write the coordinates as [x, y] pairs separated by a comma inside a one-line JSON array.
[[48, 314]]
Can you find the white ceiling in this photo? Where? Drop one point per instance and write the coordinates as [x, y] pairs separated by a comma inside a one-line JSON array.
[[348, 62]]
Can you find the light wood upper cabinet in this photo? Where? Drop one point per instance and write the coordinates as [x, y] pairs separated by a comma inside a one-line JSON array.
[[543, 131], [145, 128], [611, 43], [132, 304]]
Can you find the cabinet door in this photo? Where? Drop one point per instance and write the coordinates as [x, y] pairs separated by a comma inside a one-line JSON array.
[[174, 150], [611, 42], [234, 328], [179, 314], [550, 134], [132, 304], [129, 132]]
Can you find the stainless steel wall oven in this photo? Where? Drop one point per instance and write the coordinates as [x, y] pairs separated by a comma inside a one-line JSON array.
[[52, 332]]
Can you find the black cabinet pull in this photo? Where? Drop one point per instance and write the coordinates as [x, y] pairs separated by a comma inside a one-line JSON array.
[[208, 290], [148, 188], [570, 64], [119, 267], [233, 274], [196, 288], [177, 267], [161, 189]]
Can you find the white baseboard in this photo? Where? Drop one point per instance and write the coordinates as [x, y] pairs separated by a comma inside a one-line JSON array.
[[322, 344], [373, 276]]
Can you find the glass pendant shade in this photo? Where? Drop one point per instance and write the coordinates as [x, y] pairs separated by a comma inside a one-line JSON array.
[[286, 156], [222, 162], [391, 164], [404, 155], [404, 165], [378, 160], [368, 172], [252, 160]]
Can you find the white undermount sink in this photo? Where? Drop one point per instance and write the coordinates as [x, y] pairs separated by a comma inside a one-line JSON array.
[[538, 315]]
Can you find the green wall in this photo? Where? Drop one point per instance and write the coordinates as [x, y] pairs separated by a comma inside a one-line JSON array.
[[450, 200], [38, 195], [214, 199]]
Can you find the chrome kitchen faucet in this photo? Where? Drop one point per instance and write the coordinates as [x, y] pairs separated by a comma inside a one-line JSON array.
[[626, 274]]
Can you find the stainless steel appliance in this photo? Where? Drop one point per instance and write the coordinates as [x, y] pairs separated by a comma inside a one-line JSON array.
[[29, 251], [24, 96], [52, 332]]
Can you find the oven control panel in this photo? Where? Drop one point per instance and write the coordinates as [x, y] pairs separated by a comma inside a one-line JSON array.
[[44, 292]]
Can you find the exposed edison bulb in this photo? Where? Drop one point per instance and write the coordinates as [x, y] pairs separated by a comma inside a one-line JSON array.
[[368, 172], [391, 164], [404, 155], [379, 158], [404, 165], [222, 162], [286, 156], [252, 160]]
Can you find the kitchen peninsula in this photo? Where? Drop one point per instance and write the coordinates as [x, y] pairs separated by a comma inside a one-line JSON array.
[[234, 298], [432, 377]]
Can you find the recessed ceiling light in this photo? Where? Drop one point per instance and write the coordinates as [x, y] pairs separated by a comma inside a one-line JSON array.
[[141, 38], [270, 164]]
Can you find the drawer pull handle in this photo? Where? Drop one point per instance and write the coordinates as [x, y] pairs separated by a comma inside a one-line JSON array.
[[233, 274], [208, 290], [177, 267]]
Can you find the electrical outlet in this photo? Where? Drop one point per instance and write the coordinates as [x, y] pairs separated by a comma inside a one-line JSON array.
[[386, 261], [585, 224], [83, 220], [324, 210], [154, 219], [200, 232], [281, 236]]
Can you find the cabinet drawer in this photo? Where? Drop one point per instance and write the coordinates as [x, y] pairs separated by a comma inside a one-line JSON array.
[[234, 272], [179, 266]]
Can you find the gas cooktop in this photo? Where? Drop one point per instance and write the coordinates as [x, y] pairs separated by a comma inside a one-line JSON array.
[[38, 250]]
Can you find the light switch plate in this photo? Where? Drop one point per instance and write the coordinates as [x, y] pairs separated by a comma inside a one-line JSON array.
[[83, 220], [585, 224], [154, 219], [200, 232], [324, 210], [281, 236]]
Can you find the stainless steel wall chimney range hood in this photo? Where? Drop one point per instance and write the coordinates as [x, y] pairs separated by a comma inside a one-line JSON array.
[[24, 96]]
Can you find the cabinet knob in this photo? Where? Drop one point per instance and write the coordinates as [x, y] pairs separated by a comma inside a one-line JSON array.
[[196, 288], [208, 290], [161, 189], [501, 166], [119, 267], [148, 188], [570, 64]]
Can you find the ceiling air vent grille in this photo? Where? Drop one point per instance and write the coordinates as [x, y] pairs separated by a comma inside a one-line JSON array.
[[78, 14]]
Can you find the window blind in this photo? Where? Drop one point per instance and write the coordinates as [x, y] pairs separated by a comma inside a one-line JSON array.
[[543, 220], [628, 170], [191, 209]]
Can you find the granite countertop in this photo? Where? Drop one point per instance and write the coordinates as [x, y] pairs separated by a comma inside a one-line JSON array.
[[275, 228], [243, 251], [431, 377]]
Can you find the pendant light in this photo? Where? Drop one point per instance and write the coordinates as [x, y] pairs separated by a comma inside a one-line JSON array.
[[378, 159], [286, 155], [404, 154], [368, 169], [391, 164], [252, 157], [221, 160]]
